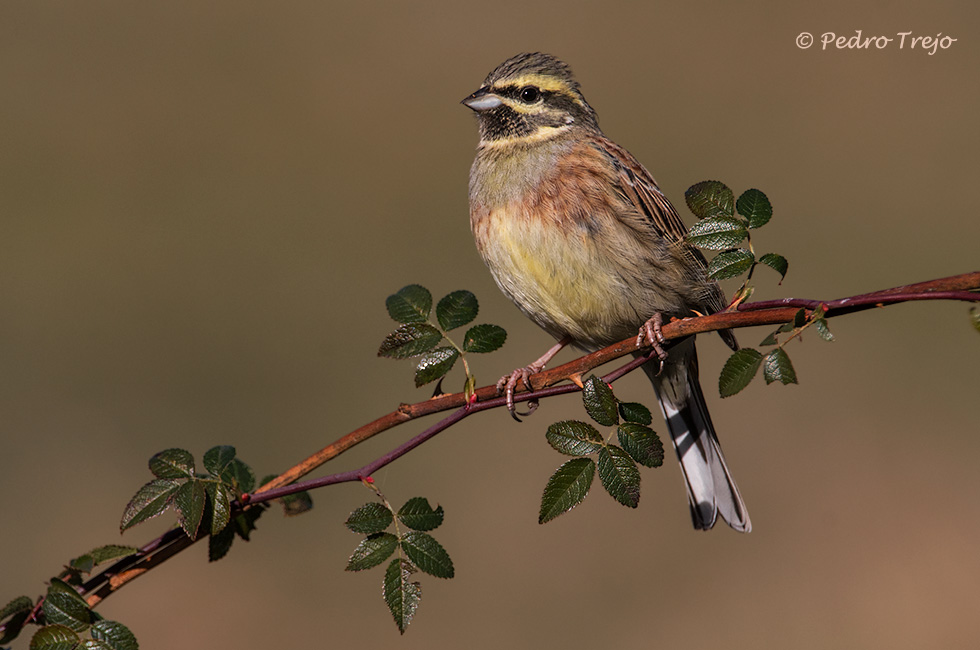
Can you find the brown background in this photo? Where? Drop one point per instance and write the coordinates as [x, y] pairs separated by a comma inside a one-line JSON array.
[[204, 206]]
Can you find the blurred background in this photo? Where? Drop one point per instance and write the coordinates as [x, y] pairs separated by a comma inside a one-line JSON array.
[[204, 206]]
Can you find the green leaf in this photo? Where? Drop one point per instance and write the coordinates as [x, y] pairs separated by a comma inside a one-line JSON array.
[[116, 635], [770, 339], [54, 637], [641, 443], [369, 519], [484, 338], [99, 555], [710, 199], [419, 515], [456, 309], [220, 500], [574, 438], [15, 612], [409, 340], [92, 644], [799, 319], [220, 543], [635, 412], [149, 501], [730, 264], [411, 304], [296, 503], [216, 459], [244, 523], [372, 551], [619, 475], [717, 233], [566, 488], [600, 403], [189, 501], [238, 476], [435, 364], [738, 371], [755, 207], [975, 318], [64, 606], [401, 595], [778, 367], [427, 554], [823, 330], [776, 262], [172, 463]]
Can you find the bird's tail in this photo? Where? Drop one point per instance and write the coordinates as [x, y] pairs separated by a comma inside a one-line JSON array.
[[711, 489]]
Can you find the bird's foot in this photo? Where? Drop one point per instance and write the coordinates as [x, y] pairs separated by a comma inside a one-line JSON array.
[[508, 384], [651, 335]]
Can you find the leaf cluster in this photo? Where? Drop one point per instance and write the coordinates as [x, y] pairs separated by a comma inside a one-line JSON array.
[[724, 223], [419, 336], [744, 364], [417, 550], [203, 501], [616, 464], [66, 620]]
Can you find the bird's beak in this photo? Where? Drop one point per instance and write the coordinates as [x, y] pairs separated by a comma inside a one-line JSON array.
[[482, 100]]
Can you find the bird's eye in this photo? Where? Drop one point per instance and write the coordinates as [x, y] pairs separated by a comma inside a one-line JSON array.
[[530, 94]]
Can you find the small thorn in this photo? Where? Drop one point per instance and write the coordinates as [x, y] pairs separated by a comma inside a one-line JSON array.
[[577, 380]]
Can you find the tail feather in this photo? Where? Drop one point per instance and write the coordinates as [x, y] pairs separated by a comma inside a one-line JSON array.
[[711, 490]]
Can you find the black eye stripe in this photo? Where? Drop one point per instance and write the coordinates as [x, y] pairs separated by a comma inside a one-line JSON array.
[[514, 92]]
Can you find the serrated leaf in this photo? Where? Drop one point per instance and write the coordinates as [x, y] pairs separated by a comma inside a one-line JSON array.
[[410, 304], [755, 207], [738, 371], [717, 233], [710, 199], [238, 476], [419, 515], [15, 612], [189, 502], [410, 340], [372, 551], [566, 488], [99, 555], [457, 309], [776, 262], [216, 459], [401, 594], [574, 438], [600, 402], [619, 475], [220, 543], [730, 264], [484, 338], [823, 330], [427, 554], [65, 606], [369, 519], [641, 443], [777, 367], [635, 412], [115, 635], [172, 463], [54, 637], [220, 500], [149, 501], [92, 644], [799, 319], [296, 503], [244, 523], [770, 339], [435, 364]]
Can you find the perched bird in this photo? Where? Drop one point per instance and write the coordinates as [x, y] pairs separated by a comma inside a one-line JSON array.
[[576, 232]]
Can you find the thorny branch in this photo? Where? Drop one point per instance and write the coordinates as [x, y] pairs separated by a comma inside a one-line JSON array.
[[960, 288]]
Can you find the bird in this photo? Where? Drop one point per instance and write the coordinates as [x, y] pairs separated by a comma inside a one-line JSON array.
[[577, 233]]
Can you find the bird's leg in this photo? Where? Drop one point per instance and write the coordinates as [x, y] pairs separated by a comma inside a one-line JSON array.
[[508, 383], [651, 335]]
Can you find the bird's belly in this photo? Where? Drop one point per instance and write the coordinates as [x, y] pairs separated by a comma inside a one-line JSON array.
[[557, 275]]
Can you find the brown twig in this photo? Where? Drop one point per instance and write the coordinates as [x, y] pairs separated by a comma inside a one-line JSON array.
[[960, 287]]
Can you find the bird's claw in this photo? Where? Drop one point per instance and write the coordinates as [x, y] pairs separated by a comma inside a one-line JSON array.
[[651, 335], [508, 384]]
